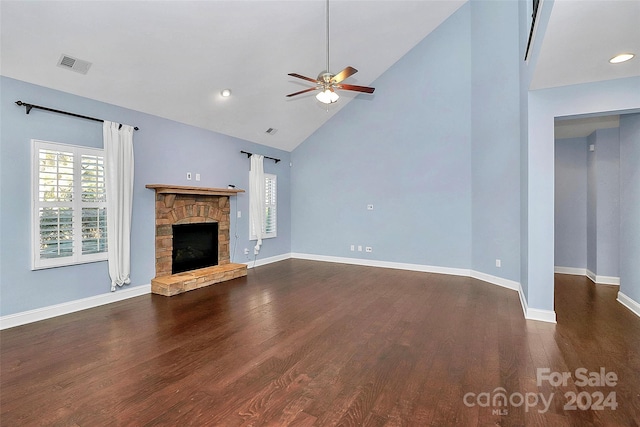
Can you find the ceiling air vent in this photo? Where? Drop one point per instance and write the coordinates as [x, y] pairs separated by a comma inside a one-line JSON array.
[[74, 64], [271, 131]]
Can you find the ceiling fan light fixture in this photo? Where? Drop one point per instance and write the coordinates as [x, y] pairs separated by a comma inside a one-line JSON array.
[[225, 93], [327, 96], [621, 58]]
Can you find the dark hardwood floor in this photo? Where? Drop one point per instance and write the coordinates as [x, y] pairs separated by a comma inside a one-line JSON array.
[[306, 343]]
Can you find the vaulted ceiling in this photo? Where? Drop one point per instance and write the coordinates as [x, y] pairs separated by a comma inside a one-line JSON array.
[[173, 58]]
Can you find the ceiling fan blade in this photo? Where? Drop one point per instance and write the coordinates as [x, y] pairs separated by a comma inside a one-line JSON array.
[[364, 89], [301, 92], [347, 72], [303, 77]]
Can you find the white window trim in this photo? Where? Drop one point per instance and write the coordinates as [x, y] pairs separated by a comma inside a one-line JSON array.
[[252, 235], [78, 257]]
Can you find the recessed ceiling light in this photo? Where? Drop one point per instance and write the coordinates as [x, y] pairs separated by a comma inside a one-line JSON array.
[[226, 92], [621, 58]]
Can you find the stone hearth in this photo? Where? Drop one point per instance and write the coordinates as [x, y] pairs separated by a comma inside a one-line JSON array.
[[188, 205]]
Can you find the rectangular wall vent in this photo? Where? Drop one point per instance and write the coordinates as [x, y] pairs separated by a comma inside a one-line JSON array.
[[74, 64]]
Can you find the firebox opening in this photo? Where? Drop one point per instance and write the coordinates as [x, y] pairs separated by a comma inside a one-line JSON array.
[[194, 246]]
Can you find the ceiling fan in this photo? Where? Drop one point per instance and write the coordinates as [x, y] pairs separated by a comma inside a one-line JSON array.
[[327, 83]]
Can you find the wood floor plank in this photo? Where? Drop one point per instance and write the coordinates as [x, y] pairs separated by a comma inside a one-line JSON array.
[[304, 343]]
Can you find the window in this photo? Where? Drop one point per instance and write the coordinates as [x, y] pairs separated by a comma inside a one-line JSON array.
[[68, 205], [269, 227]]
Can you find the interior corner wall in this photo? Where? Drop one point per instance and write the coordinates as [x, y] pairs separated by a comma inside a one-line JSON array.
[[570, 200], [531, 53], [587, 203], [405, 150], [592, 208], [607, 182], [630, 205], [495, 138], [164, 152], [543, 107]]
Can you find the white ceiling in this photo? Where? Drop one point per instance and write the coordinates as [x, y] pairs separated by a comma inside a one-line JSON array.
[[584, 126], [581, 37], [172, 58]]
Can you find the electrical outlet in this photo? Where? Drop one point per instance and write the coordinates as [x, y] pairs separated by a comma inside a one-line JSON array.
[[359, 248], [368, 249], [369, 207], [239, 214], [246, 251], [498, 263], [353, 247], [197, 177], [188, 176]]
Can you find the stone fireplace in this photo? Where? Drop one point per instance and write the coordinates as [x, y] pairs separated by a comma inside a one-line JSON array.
[[176, 205]]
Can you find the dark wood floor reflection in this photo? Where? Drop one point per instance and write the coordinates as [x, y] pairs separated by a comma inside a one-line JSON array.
[[306, 343]]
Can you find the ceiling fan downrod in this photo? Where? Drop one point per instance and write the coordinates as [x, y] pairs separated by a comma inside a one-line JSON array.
[[327, 19]]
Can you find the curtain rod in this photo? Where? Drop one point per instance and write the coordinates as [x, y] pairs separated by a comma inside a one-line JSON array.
[[266, 157], [28, 108]]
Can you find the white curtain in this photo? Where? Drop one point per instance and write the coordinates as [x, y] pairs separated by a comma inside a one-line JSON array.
[[118, 148], [256, 198]]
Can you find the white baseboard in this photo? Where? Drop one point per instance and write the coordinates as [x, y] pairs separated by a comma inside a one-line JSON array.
[[529, 313], [43, 313], [632, 305], [570, 270], [602, 280], [384, 264], [607, 280], [540, 315], [495, 280], [265, 261], [598, 280]]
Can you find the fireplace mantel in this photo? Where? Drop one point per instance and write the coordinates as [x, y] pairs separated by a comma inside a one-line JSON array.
[[200, 191]]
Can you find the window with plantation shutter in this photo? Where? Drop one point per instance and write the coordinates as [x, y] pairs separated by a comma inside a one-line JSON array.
[[69, 205], [270, 224], [270, 205]]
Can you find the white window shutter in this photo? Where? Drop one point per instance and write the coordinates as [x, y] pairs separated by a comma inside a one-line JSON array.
[[68, 205]]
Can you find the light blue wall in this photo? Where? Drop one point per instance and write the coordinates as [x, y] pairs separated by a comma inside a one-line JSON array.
[[592, 208], [164, 152], [495, 137], [587, 203], [603, 203], [607, 155], [571, 202], [407, 152], [527, 68], [544, 106], [630, 206], [454, 130]]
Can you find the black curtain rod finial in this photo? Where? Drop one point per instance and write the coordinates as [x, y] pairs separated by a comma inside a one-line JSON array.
[[27, 107]]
